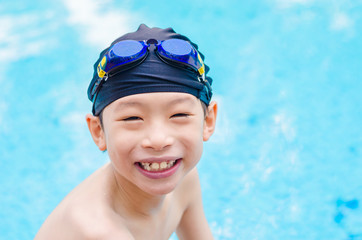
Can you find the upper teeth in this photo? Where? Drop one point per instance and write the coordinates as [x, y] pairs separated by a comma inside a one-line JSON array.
[[157, 166]]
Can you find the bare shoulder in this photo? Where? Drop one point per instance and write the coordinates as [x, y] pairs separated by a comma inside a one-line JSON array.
[[79, 221], [85, 214], [96, 224]]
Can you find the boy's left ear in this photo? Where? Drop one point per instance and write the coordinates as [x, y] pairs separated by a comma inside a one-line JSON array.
[[210, 121]]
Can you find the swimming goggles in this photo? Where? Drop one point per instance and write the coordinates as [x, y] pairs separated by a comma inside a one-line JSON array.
[[130, 53]]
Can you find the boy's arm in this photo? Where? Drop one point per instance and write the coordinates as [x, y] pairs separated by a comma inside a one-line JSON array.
[[193, 224]]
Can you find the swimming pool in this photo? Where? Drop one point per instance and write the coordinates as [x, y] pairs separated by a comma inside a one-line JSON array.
[[285, 161]]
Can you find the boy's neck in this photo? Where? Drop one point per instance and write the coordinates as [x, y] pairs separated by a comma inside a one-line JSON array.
[[132, 201]]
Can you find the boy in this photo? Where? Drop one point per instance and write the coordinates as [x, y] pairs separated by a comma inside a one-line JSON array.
[[151, 112]]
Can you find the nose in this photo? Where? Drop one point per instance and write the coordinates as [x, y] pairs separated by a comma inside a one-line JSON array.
[[157, 137]]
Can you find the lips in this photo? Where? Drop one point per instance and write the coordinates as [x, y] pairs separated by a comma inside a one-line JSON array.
[[156, 168]]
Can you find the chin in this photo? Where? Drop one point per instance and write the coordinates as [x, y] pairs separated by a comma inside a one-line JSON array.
[[161, 188]]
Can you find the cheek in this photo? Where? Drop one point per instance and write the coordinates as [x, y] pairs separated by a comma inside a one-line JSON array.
[[193, 152], [119, 146], [193, 139]]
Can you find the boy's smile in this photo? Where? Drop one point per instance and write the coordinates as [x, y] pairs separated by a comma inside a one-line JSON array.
[[154, 139], [159, 167]]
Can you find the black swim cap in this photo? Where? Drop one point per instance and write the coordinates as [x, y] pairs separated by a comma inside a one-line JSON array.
[[153, 75]]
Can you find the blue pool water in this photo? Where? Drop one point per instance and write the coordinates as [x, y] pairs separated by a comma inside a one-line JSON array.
[[286, 159]]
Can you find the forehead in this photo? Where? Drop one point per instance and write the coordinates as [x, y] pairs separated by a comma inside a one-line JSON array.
[[156, 99]]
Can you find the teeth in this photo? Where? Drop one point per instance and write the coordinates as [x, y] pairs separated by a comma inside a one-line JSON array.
[[163, 165], [170, 164], [154, 167], [146, 166]]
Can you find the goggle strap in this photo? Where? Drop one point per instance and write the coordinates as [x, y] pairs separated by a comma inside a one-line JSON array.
[[97, 86], [208, 89], [93, 100]]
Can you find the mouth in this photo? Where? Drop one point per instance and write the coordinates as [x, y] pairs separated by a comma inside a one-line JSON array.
[[159, 168]]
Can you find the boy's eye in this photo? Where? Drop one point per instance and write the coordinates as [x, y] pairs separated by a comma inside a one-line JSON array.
[[180, 115], [133, 118]]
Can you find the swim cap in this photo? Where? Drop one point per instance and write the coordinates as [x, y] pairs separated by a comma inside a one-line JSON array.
[[152, 75]]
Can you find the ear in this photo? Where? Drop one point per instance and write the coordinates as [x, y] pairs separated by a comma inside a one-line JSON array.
[[210, 121], [96, 130]]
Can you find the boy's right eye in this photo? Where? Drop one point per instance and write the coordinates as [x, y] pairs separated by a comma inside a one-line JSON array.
[[133, 118]]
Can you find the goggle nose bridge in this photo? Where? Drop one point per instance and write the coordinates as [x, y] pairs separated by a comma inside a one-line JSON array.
[[152, 41]]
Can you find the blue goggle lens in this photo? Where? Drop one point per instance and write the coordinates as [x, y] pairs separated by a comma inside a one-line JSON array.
[[176, 48], [125, 52], [179, 51], [121, 54]]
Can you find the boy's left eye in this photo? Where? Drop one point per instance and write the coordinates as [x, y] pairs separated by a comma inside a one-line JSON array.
[[180, 115]]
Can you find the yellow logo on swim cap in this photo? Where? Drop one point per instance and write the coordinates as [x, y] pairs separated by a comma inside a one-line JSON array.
[[201, 70], [101, 67]]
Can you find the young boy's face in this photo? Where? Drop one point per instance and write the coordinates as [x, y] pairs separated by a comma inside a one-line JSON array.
[[155, 139]]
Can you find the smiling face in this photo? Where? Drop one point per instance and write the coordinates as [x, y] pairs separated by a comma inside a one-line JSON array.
[[155, 139]]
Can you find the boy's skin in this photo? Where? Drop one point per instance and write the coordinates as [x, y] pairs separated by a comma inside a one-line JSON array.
[[120, 200]]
